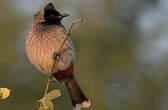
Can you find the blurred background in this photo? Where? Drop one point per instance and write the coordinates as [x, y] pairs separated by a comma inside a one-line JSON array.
[[121, 61]]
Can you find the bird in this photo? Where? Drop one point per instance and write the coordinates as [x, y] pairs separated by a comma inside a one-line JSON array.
[[45, 36]]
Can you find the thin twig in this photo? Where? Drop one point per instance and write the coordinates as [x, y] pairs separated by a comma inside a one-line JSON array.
[[58, 52]]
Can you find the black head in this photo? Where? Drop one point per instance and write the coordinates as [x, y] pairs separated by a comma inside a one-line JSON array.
[[51, 15]]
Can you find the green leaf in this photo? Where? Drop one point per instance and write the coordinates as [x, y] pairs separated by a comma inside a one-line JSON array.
[[43, 106], [51, 95], [49, 104], [46, 105]]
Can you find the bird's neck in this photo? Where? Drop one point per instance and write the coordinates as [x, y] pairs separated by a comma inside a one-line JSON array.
[[48, 26]]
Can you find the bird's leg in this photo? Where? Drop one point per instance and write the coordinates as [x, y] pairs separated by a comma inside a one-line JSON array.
[[52, 79]]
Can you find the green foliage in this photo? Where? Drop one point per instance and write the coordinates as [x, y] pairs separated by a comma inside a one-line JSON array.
[[46, 103], [51, 95]]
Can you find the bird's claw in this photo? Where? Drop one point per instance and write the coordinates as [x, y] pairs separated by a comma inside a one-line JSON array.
[[56, 55], [51, 79]]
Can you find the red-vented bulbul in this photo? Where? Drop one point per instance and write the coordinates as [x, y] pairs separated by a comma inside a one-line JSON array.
[[43, 40]]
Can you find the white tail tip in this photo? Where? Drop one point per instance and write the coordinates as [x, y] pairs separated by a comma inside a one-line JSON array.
[[85, 104]]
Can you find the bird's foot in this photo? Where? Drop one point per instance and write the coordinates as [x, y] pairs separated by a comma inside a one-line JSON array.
[[52, 79], [56, 55]]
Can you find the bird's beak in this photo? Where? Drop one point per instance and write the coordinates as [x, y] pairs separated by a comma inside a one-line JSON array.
[[63, 15]]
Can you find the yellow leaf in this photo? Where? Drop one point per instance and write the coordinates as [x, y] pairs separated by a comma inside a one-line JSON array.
[[49, 104], [46, 105], [4, 93]]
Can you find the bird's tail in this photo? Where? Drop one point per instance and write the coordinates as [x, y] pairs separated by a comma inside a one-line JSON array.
[[78, 98]]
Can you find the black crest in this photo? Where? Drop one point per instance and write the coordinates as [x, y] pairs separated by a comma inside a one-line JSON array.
[[50, 13]]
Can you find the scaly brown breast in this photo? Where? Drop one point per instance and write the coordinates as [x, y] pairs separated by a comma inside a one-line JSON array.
[[40, 53]]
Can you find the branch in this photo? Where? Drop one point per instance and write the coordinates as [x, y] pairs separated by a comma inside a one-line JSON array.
[[58, 52]]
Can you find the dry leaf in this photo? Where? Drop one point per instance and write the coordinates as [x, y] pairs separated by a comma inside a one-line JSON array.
[[4, 93]]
